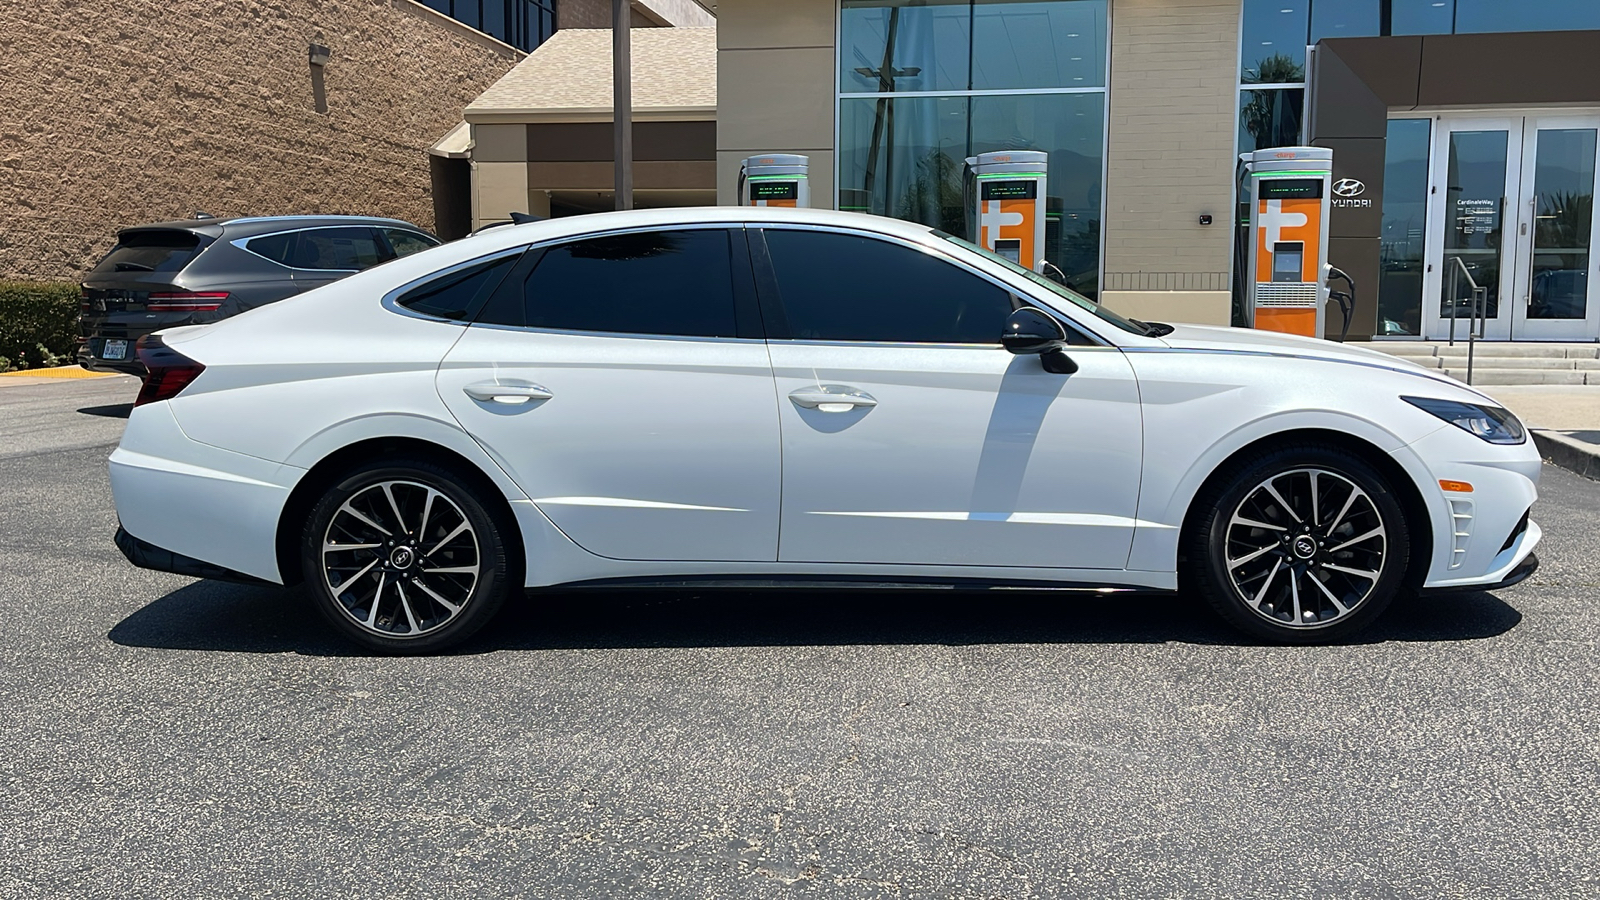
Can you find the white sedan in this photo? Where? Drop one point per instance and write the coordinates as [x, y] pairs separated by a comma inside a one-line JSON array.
[[755, 397]]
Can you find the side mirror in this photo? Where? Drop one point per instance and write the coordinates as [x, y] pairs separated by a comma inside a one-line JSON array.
[[1030, 330]]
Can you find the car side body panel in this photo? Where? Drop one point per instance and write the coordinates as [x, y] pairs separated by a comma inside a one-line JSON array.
[[206, 474]]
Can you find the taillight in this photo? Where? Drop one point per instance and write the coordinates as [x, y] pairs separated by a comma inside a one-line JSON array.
[[185, 301], [168, 372]]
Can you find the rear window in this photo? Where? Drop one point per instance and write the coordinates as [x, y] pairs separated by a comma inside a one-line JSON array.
[[155, 250]]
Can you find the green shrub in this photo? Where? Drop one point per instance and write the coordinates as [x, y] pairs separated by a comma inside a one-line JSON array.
[[38, 323]]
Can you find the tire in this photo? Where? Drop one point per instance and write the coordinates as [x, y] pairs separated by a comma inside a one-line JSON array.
[[402, 557], [1278, 567]]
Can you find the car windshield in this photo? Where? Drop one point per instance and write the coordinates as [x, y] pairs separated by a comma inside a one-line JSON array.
[[1060, 290]]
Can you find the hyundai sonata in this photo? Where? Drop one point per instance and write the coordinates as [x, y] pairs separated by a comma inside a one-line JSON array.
[[756, 397]]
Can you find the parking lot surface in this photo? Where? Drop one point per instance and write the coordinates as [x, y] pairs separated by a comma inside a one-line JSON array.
[[163, 737]]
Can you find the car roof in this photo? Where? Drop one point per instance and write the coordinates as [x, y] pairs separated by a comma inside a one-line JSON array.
[[492, 239], [245, 226]]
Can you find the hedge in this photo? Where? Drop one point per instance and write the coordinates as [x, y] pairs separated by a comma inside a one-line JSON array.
[[38, 324]]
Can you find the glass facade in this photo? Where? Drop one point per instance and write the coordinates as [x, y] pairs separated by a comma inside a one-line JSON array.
[[524, 24], [1403, 239], [923, 84], [1274, 35]]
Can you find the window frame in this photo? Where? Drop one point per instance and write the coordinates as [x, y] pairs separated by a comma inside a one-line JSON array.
[[748, 316], [391, 299], [773, 310]]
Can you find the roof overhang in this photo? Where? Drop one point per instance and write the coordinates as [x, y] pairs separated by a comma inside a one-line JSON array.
[[590, 114]]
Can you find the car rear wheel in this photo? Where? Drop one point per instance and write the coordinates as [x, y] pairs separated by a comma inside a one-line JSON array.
[[1303, 544], [402, 557]]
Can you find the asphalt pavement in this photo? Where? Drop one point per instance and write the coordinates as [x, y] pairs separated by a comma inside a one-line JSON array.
[[162, 737]]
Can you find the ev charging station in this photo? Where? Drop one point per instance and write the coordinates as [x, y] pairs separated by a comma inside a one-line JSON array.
[[1005, 200], [1288, 263], [775, 179]]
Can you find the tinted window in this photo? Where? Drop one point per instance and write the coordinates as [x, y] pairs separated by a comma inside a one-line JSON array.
[[839, 287], [151, 251], [666, 282], [452, 296], [276, 247], [406, 243], [337, 248]]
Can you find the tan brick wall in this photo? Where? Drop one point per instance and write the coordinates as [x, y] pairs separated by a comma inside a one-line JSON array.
[[775, 88], [1174, 92], [122, 113]]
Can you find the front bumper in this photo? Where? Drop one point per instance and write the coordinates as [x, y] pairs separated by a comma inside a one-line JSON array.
[[1518, 574], [1481, 535]]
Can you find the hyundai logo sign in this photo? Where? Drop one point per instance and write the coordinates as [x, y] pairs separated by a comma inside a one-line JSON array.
[[1349, 187], [1347, 194]]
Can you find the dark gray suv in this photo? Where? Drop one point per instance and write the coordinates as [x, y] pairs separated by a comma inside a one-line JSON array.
[[196, 271]]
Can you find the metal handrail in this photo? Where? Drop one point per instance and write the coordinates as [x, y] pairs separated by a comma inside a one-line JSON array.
[[1479, 319]]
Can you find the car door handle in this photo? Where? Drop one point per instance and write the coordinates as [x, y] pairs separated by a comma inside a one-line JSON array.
[[832, 398], [510, 394]]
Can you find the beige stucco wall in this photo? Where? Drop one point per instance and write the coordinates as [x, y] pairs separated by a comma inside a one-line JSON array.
[[1193, 307], [124, 113], [1171, 126], [775, 88]]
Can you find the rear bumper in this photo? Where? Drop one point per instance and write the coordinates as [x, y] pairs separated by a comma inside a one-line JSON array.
[[146, 555], [195, 501]]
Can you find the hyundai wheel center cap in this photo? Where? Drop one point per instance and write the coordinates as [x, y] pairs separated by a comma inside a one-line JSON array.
[[402, 558], [1305, 547]]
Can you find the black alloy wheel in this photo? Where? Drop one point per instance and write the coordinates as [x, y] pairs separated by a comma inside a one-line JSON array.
[[401, 557], [1303, 544]]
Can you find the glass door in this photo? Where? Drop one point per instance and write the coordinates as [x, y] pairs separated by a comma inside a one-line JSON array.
[[1555, 231], [1476, 180]]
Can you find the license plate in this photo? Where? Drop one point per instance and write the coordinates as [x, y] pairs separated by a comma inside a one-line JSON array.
[[115, 350]]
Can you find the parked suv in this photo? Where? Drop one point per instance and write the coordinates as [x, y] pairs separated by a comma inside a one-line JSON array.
[[196, 271]]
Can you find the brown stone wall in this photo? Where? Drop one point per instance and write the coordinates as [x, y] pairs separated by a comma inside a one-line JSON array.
[[122, 113]]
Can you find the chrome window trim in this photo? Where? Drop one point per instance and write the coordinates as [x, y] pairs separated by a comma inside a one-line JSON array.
[[242, 243]]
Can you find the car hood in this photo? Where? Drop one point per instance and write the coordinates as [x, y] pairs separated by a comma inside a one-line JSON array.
[[1214, 339]]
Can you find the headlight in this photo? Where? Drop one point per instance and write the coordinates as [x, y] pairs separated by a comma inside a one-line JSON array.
[[1493, 424]]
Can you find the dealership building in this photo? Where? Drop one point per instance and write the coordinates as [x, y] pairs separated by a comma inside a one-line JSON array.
[[1461, 130]]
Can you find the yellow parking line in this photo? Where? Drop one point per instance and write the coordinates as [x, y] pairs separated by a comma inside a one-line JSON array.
[[60, 372]]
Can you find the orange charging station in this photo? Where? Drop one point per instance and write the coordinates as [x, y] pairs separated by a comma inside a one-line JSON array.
[[775, 179], [1289, 204], [1005, 198]]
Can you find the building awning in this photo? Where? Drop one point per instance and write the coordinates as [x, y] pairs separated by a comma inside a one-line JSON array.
[[455, 145], [568, 79]]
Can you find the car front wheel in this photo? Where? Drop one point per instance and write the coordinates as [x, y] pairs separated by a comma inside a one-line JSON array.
[[401, 557], [1302, 544]]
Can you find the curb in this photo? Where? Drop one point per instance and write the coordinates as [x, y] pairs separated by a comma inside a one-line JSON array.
[[57, 372], [1568, 453]]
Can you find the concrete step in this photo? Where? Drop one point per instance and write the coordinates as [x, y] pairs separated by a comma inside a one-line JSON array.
[[1482, 377], [1499, 349], [1507, 362]]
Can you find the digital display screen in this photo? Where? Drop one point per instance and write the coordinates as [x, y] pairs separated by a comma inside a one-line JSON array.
[[774, 190], [1288, 259], [1286, 188], [1009, 248], [1010, 190]]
